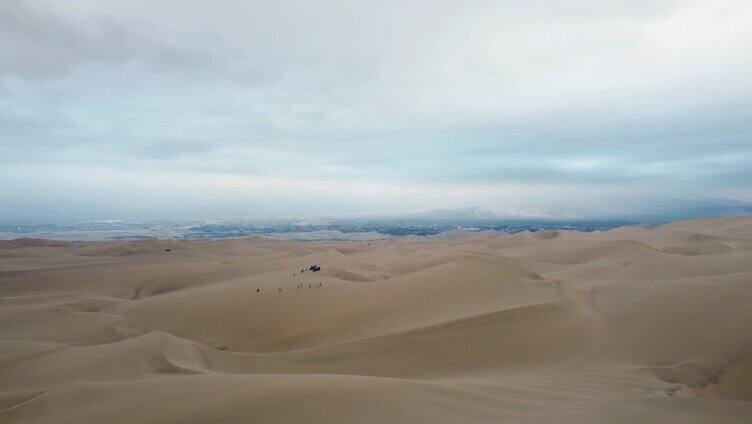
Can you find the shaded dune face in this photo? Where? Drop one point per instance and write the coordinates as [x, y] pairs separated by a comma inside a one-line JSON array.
[[630, 325]]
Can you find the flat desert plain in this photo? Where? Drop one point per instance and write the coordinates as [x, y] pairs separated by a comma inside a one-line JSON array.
[[632, 325]]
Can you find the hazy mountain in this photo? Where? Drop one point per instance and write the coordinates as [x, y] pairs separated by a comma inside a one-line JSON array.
[[703, 208], [471, 212], [671, 209]]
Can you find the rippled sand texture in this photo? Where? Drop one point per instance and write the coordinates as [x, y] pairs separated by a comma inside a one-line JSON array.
[[626, 326]]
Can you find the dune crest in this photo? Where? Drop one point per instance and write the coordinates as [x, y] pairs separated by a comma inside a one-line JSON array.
[[629, 325]]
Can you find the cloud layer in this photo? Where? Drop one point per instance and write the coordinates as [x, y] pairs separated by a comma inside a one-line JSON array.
[[231, 109]]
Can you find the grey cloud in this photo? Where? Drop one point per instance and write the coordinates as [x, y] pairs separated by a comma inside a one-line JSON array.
[[586, 93], [38, 42]]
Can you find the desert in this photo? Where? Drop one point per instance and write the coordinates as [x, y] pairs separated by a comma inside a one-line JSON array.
[[628, 325]]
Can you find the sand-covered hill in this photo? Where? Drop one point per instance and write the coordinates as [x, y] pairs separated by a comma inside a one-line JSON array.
[[626, 326]]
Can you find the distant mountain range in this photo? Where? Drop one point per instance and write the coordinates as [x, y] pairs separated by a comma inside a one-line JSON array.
[[461, 213], [663, 211], [476, 213], [702, 208]]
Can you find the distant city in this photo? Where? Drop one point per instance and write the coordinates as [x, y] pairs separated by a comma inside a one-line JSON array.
[[329, 230], [426, 224]]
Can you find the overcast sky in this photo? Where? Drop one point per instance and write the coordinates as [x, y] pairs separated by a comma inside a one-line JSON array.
[[230, 109]]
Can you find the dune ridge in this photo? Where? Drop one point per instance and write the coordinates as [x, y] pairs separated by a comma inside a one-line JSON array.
[[629, 325]]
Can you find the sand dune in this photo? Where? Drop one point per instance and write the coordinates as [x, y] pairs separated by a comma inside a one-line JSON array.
[[630, 325]]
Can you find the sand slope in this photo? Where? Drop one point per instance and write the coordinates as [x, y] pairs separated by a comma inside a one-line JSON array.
[[630, 325]]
